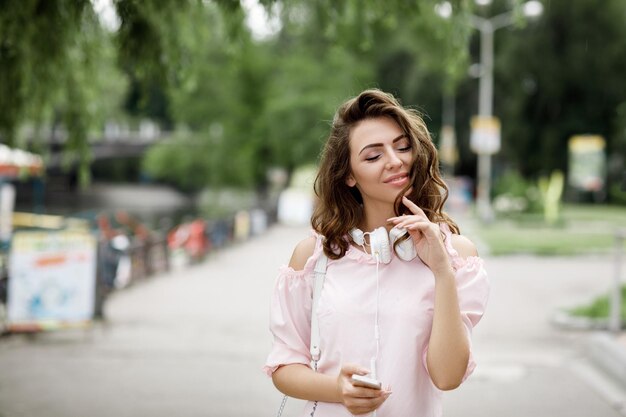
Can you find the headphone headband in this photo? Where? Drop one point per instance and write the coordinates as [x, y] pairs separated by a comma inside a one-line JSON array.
[[381, 243]]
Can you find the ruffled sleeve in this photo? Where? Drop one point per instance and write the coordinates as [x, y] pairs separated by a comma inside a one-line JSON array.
[[290, 315], [472, 289]]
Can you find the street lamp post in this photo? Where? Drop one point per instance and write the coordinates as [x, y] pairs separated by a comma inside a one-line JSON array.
[[487, 27], [485, 109]]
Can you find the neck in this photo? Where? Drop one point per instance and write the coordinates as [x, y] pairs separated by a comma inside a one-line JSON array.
[[376, 215]]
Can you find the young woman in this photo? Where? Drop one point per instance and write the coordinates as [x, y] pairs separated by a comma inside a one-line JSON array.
[[406, 322]]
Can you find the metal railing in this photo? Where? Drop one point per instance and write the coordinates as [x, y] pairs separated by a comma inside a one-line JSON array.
[[615, 314]]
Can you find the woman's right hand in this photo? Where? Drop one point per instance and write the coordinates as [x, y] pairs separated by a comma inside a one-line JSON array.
[[358, 400]]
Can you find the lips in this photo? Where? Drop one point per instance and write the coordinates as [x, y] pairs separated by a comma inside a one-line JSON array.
[[397, 179]]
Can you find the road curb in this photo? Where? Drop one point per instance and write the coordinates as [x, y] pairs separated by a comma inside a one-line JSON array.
[[608, 353], [564, 320]]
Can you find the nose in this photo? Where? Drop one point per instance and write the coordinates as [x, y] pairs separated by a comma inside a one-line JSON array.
[[393, 161]]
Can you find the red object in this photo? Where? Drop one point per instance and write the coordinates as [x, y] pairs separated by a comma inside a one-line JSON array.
[[191, 237]]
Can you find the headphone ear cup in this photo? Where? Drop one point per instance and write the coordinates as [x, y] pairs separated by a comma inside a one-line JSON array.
[[357, 236], [379, 242], [406, 249]]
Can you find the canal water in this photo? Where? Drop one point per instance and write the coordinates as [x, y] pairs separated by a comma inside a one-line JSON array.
[[157, 206]]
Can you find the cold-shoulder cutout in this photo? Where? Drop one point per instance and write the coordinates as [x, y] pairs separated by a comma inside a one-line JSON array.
[[302, 252], [290, 312], [464, 247], [461, 250]]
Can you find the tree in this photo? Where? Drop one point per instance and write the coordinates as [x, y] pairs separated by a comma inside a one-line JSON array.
[[216, 108], [268, 102], [57, 63], [48, 74], [559, 77], [275, 97]]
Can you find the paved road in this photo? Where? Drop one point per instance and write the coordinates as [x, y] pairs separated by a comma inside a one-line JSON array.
[[192, 343]]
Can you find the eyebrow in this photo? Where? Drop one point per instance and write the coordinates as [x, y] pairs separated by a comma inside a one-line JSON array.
[[375, 145]]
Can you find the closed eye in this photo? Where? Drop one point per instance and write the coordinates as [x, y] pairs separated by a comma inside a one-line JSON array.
[[372, 158]]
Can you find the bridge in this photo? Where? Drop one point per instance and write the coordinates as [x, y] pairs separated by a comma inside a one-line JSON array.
[[111, 144], [61, 165]]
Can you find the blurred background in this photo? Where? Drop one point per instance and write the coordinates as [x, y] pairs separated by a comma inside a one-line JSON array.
[[144, 142]]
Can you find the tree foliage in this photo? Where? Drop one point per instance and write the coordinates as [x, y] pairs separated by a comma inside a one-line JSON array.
[[56, 70], [559, 77], [273, 99], [240, 105], [58, 65]]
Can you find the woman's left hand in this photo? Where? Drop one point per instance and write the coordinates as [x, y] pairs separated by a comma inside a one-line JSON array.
[[426, 236]]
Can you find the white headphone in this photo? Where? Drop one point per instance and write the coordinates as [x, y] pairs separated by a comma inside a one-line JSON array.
[[381, 243]]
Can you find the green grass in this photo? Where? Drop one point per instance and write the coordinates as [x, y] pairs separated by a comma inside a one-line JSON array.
[[599, 308], [582, 229], [597, 214]]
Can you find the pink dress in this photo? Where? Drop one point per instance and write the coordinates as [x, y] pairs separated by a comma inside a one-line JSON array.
[[347, 310]]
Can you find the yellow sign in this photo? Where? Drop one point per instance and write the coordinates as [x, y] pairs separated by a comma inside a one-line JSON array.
[[587, 162], [485, 135], [447, 146], [586, 143]]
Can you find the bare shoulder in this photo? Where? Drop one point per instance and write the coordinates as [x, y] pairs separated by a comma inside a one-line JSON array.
[[463, 246], [303, 251]]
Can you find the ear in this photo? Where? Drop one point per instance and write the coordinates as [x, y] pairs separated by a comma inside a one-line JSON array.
[[350, 181]]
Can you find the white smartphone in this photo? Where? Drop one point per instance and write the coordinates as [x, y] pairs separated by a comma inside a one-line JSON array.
[[365, 381]]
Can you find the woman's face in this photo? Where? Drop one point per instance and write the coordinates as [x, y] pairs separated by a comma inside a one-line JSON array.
[[380, 160]]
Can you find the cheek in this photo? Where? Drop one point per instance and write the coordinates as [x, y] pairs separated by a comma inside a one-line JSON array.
[[363, 173], [410, 158], [419, 159]]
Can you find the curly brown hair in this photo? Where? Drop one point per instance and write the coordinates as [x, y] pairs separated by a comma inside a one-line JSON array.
[[339, 207]]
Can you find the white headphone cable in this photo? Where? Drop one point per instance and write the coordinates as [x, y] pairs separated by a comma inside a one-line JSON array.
[[376, 328], [374, 359]]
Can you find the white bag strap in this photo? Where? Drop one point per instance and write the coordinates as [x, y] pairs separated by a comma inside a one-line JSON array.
[[320, 274]]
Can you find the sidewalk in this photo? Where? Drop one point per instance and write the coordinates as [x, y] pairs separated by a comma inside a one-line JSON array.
[[188, 343], [605, 350], [608, 352], [192, 343]]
